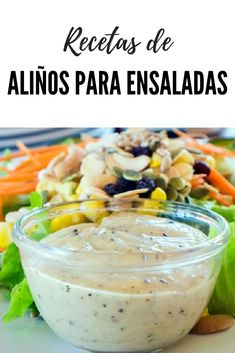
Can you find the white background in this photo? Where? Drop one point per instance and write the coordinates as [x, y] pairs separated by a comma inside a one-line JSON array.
[[33, 33]]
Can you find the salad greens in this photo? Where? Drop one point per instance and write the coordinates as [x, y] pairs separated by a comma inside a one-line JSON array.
[[70, 141], [12, 277], [11, 271], [21, 301], [223, 297], [37, 199]]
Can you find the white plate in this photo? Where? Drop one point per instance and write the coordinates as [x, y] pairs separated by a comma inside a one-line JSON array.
[[33, 335]]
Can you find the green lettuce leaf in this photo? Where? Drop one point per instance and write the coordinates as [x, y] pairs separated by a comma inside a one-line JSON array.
[[11, 271], [41, 231], [69, 141], [227, 212], [37, 199], [21, 301], [223, 297]]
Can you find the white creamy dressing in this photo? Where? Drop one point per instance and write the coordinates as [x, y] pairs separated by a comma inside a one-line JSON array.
[[130, 311], [127, 233]]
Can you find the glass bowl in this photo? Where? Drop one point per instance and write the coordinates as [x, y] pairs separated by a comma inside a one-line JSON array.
[[119, 301]]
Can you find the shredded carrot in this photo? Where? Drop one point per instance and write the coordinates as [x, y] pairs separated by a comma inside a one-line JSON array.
[[24, 178], [43, 158], [23, 188], [221, 183], [182, 134], [222, 199], [1, 209], [58, 148], [197, 180], [210, 149], [32, 168], [48, 155], [21, 146], [198, 176], [196, 183], [18, 177], [207, 148], [14, 184]]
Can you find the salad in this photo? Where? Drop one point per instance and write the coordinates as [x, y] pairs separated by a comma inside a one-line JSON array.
[[135, 163]]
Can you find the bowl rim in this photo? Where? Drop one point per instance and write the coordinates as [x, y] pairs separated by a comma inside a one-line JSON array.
[[182, 256]]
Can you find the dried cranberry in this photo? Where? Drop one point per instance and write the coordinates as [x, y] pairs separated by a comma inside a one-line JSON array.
[[126, 185], [112, 189], [139, 151], [201, 168], [146, 183]]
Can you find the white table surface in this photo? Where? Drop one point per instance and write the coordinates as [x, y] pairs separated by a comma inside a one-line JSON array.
[[29, 335]]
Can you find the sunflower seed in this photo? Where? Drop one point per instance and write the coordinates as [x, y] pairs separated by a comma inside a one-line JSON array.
[[165, 164]]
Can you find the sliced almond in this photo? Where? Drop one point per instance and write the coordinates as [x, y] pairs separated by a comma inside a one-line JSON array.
[[50, 179], [130, 193], [131, 197], [212, 323], [137, 164], [59, 158], [122, 151], [96, 192], [70, 164]]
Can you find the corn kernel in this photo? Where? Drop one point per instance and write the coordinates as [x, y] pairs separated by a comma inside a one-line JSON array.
[[73, 197], [66, 220], [93, 210], [155, 161], [148, 207], [5, 234], [100, 219], [158, 194]]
